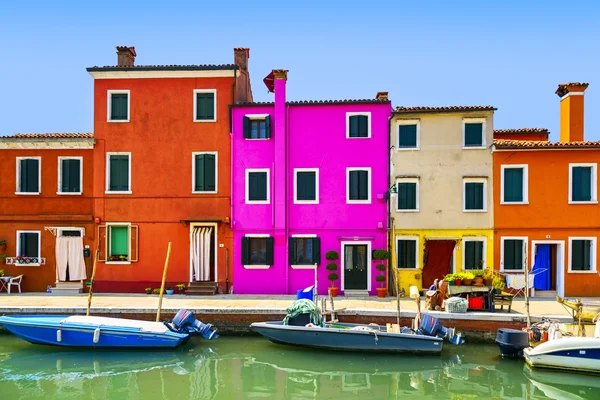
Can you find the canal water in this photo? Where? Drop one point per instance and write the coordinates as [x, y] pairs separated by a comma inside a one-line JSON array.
[[254, 368]]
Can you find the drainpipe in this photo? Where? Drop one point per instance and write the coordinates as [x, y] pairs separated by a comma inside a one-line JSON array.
[[226, 271], [287, 210], [390, 234]]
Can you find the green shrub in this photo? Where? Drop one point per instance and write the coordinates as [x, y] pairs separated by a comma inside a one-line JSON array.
[[380, 278], [477, 273], [380, 267], [333, 277], [450, 277], [380, 255], [332, 255], [156, 291], [331, 267]]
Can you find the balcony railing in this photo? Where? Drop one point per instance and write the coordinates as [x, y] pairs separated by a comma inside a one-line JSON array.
[[32, 261]]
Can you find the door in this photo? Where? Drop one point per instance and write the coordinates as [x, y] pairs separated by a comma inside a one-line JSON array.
[[438, 260], [202, 253], [355, 267]]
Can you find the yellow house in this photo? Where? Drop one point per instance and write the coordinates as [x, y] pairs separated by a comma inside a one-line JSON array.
[[441, 203]]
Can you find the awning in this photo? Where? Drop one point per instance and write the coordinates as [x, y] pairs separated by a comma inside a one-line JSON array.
[[201, 219]]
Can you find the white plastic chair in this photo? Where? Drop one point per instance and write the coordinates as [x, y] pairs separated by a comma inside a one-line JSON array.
[[16, 281]]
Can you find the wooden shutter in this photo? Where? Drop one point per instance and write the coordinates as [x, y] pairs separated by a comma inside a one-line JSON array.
[[119, 173], [245, 251], [587, 262], [32, 244], [354, 126], [306, 185], [71, 175], [199, 185], [474, 196], [513, 184], [474, 135], [134, 242], [270, 251], [407, 136], [582, 184], [354, 185], [292, 250], [268, 126], [316, 250], [205, 106], [29, 178], [363, 126], [246, 128], [118, 106], [407, 196], [102, 243], [210, 172], [363, 185]]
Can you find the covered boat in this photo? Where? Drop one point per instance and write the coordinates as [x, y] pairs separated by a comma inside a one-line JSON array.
[[90, 331]]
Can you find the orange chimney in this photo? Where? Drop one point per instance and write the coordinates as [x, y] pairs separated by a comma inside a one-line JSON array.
[[571, 111]]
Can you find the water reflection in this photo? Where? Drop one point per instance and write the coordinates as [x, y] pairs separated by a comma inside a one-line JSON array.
[[250, 368]]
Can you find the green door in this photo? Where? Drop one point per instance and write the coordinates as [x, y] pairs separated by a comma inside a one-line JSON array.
[[355, 267]]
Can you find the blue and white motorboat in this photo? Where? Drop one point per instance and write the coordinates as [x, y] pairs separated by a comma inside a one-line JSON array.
[[580, 354], [91, 331]]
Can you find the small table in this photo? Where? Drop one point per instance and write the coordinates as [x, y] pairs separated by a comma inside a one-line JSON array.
[[4, 281], [486, 290]]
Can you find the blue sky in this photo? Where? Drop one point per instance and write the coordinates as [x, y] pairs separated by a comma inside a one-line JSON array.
[[510, 54]]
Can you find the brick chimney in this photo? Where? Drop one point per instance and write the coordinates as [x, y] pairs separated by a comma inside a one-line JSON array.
[[382, 96], [240, 57], [571, 111], [243, 92], [125, 56]]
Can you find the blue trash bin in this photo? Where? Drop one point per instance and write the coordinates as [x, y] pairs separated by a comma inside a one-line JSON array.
[[307, 293]]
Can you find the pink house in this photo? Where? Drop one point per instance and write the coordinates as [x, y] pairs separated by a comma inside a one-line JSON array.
[[308, 178]]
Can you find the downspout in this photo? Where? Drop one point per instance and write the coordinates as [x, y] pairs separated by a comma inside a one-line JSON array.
[[287, 211], [231, 191], [390, 233]]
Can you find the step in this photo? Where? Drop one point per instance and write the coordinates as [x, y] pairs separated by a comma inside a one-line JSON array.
[[199, 293], [66, 291]]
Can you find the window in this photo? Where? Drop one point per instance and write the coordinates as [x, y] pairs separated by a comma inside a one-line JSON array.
[[473, 254], [70, 175], [205, 173], [305, 251], [408, 135], [408, 195], [407, 253], [583, 180], [514, 185], [257, 251], [257, 186], [473, 133], [474, 195], [358, 185], [118, 174], [118, 106], [358, 125], [512, 254], [306, 186], [29, 245], [583, 254], [118, 243], [205, 105], [257, 126], [29, 175]]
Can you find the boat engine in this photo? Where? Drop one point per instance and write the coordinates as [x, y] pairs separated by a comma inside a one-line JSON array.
[[186, 322], [431, 326], [512, 342]]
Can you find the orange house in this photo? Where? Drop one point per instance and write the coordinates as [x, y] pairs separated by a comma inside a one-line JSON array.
[[46, 209], [546, 211], [162, 172]]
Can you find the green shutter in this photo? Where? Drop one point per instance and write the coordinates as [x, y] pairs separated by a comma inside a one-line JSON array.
[[306, 185], [363, 126], [247, 128], [581, 255], [118, 106], [513, 254], [292, 250], [473, 254], [205, 106], [119, 173], [71, 175], [407, 136], [269, 257], [28, 244], [407, 196], [199, 184], [354, 181], [354, 126], [582, 184], [29, 178], [473, 196], [210, 172], [316, 250], [513, 185], [363, 188], [268, 126], [474, 135], [119, 240], [257, 186], [406, 254], [245, 251]]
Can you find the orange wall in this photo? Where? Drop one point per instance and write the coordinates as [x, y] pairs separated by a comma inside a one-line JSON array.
[[161, 137], [536, 137]]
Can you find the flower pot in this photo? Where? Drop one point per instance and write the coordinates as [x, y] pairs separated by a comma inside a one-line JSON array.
[[381, 291], [488, 281], [333, 291], [478, 279], [467, 282], [497, 291], [457, 282], [169, 291]]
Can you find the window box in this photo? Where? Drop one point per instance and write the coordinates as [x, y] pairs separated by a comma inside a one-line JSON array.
[[118, 243], [118, 106], [205, 105], [29, 248]]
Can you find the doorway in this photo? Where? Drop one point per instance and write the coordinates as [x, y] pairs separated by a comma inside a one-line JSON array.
[[548, 256], [356, 261], [203, 252], [438, 260], [70, 263]]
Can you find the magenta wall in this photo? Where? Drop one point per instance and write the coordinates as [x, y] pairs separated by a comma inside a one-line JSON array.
[[316, 138]]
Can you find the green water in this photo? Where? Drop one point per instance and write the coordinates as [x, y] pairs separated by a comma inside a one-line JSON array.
[[253, 368]]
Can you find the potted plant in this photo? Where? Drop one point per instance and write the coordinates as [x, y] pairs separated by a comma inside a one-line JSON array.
[[2, 245], [1, 272], [498, 284], [169, 290], [181, 288], [457, 279], [478, 276], [381, 255], [148, 290], [488, 277], [332, 266], [450, 279], [156, 291], [467, 278]]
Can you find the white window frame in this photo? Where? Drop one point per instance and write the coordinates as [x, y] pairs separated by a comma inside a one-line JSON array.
[[475, 180], [109, 94], [408, 122], [258, 266], [482, 239], [304, 266], [594, 182], [352, 114], [316, 171], [593, 251], [59, 189], [417, 189], [197, 153], [214, 92], [109, 244], [483, 122], [350, 169], [257, 117], [17, 247], [18, 188], [108, 191], [525, 240], [525, 168], [417, 258], [247, 185]]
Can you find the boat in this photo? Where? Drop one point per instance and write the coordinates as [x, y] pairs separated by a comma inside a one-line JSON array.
[[568, 353], [104, 332], [512, 342]]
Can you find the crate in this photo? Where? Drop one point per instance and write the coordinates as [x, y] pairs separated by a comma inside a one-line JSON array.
[[456, 306], [476, 303]]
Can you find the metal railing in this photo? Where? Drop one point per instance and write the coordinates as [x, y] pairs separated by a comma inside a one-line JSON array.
[[26, 261]]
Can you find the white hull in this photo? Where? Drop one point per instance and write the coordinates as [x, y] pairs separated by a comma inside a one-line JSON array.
[[571, 353]]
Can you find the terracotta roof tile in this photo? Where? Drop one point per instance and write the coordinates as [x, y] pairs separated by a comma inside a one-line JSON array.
[[564, 88], [403, 109], [533, 144], [88, 135], [541, 131], [174, 67]]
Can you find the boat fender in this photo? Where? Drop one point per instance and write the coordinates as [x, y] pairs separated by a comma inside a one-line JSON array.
[[96, 335], [59, 335]]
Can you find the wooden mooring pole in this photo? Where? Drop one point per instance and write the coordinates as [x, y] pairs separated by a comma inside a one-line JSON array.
[[162, 285]]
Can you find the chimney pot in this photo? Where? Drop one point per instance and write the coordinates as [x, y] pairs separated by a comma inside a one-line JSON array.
[[571, 111], [240, 57], [383, 96], [125, 56], [280, 74]]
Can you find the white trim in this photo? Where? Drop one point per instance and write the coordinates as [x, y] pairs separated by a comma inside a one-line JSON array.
[[408, 122], [482, 239], [304, 266], [352, 114], [417, 258], [18, 189], [18, 250], [109, 94], [524, 247], [560, 263], [248, 171], [214, 92], [59, 230], [214, 225], [593, 183], [45, 144], [571, 94], [108, 255], [593, 250], [350, 169], [525, 168], [108, 191], [417, 188], [134, 74], [60, 160], [369, 265], [483, 122], [257, 266], [257, 116], [475, 180], [197, 153], [316, 171]]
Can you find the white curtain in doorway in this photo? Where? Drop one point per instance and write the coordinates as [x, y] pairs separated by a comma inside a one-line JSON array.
[[69, 254], [200, 252]]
